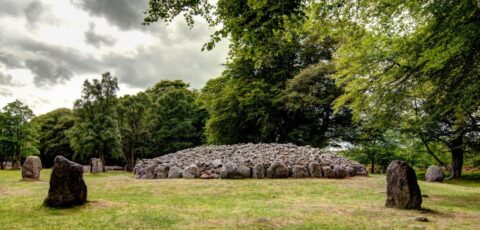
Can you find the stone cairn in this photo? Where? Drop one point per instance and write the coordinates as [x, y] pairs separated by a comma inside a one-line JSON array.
[[249, 161], [31, 168], [67, 187], [403, 191]]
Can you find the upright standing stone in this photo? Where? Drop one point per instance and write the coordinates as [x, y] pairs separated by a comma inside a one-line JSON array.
[[191, 172], [299, 171], [31, 168], [434, 174], [402, 187], [315, 169], [67, 187], [258, 171], [96, 165], [234, 171]]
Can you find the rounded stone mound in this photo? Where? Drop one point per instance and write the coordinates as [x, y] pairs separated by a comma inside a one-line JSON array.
[[249, 161]]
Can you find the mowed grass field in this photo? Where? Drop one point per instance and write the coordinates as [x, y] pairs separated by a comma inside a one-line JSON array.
[[119, 201]]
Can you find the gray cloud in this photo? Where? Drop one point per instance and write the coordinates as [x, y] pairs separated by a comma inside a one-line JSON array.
[[33, 12], [6, 79], [126, 14], [9, 7], [46, 72], [98, 40], [9, 60]]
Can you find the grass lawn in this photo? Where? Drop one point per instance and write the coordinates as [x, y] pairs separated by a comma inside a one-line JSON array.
[[118, 201]]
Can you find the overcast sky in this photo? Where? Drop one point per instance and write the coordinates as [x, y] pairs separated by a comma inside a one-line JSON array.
[[48, 48]]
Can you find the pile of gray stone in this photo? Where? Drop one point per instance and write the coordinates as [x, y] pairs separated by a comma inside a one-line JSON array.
[[249, 161]]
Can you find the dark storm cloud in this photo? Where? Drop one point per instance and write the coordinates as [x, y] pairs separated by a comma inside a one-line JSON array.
[[48, 73], [33, 12], [6, 79], [126, 14], [97, 40]]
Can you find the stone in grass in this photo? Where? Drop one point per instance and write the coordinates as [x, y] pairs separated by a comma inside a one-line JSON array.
[[31, 168], [67, 187], [422, 219], [234, 171], [96, 165], [402, 187], [191, 172], [258, 171], [434, 174], [299, 171], [278, 170], [161, 171]]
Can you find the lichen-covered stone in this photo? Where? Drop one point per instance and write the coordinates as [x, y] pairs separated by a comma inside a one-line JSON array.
[[402, 187], [191, 172], [233, 171], [434, 174], [31, 168], [258, 171], [300, 171], [278, 170]]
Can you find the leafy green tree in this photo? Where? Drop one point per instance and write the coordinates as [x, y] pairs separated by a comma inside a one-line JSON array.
[[415, 62], [175, 120], [52, 129], [309, 97], [132, 115], [96, 132], [17, 136]]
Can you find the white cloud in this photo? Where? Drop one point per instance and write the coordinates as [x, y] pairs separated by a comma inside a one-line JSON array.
[[48, 48]]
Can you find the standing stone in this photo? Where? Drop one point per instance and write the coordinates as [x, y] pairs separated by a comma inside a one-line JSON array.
[[434, 174], [258, 171], [148, 172], [315, 169], [67, 187], [31, 168], [161, 172], [175, 172], [234, 171], [340, 172], [96, 165], [299, 171], [191, 172], [402, 187], [278, 170]]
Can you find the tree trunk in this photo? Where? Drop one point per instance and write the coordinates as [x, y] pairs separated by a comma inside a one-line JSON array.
[[102, 158], [131, 161], [457, 161], [2, 165], [372, 169]]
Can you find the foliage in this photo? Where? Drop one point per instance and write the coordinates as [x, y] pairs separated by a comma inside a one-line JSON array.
[[175, 120], [52, 129], [96, 132], [17, 136]]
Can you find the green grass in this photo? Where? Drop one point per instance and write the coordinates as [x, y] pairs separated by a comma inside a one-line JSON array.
[[118, 201]]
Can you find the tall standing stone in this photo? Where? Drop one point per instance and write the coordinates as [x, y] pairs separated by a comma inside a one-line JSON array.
[[402, 187], [278, 170], [67, 187], [96, 165], [31, 168]]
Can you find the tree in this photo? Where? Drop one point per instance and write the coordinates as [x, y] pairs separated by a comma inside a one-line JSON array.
[[132, 114], [96, 132], [175, 119], [309, 97], [17, 136], [422, 70], [52, 129]]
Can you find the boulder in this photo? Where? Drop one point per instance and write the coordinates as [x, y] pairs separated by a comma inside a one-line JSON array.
[[147, 172], [315, 169], [67, 187], [234, 171], [175, 172], [278, 170], [96, 165], [328, 171], [340, 172], [191, 172], [299, 171], [161, 171], [31, 168], [209, 176], [434, 174], [258, 171], [217, 163], [402, 187]]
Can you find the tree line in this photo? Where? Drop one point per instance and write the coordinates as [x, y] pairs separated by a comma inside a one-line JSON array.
[[396, 80]]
